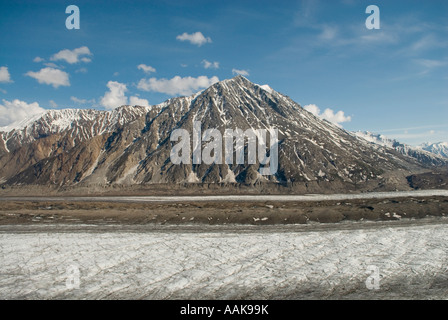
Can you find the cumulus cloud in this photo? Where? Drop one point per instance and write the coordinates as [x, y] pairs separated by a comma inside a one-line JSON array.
[[73, 56], [4, 75], [210, 65], [115, 97], [244, 73], [38, 59], [50, 76], [136, 101], [196, 38], [337, 118], [16, 110], [329, 115], [177, 85], [145, 68], [313, 109]]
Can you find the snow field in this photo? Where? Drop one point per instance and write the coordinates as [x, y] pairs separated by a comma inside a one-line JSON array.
[[412, 263]]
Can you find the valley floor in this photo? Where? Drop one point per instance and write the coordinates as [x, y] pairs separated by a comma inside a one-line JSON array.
[[229, 209], [320, 247]]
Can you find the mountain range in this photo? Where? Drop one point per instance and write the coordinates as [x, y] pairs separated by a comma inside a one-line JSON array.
[[131, 146], [439, 148], [430, 154]]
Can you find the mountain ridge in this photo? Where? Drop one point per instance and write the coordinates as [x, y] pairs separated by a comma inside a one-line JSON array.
[[312, 152], [421, 154], [438, 148]]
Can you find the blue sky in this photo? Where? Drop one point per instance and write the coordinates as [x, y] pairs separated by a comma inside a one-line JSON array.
[[392, 81]]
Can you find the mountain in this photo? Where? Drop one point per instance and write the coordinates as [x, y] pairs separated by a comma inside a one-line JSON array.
[[45, 135], [421, 154], [131, 146], [440, 148], [82, 124]]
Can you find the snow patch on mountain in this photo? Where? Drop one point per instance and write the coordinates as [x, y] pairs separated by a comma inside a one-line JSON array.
[[21, 123], [267, 88], [82, 123], [59, 120]]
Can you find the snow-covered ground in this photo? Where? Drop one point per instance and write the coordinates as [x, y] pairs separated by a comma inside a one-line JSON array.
[[295, 262]]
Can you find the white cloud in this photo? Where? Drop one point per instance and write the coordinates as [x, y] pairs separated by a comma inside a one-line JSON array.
[[313, 109], [4, 75], [82, 101], [337, 118], [425, 43], [415, 128], [145, 68], [116, 74], [72, 56], [53, 104], [76, 100], [378, 37], [136, 101], [208, 64], [51, 76], [177, 85], [51, 65], [328, 32], [196, 38], [16, 110], [428, 63], [115, 97], [38, 59], [306, 13], [81, 70], [415, 135], [3, 91], [329, 115], [244, 73]]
